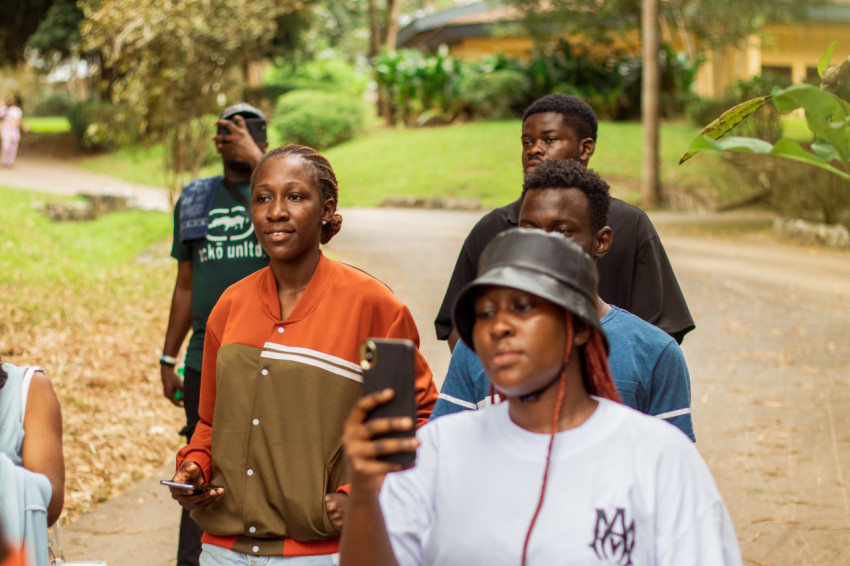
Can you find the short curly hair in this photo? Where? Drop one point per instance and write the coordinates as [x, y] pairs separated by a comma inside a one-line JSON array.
[[570, 174], [577, 114], [323, 175]]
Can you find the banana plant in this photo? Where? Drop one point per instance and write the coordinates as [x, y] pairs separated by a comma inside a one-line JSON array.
[[827, 115]]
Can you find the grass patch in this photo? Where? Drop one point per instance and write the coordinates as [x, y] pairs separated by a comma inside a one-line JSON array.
[[480, 160], [137, 164], [47, 124], [83, 301], [797, 129], [39, 251]]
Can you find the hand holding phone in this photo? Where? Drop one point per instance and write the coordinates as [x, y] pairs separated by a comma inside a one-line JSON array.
[[389, 363], [256, 128], [188, 489], [195, 489]]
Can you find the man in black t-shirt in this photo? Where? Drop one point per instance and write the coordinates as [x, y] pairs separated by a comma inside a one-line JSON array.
[[636, 275]]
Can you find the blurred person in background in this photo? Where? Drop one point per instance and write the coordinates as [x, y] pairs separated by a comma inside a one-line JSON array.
[[10, 130]]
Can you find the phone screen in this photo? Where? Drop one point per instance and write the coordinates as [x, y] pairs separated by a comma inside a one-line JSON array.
[[195, 488], [256, 127], [389, 363]]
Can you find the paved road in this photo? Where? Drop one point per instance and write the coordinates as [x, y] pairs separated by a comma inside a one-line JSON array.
[[769, 362], [49, 175]]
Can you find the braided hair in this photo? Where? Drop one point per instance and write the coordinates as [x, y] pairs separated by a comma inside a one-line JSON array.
[[323, 176]]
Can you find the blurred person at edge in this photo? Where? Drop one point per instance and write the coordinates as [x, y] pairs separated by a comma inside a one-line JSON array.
[[280, 374], [32, 466], [10, 130], [215, 246]]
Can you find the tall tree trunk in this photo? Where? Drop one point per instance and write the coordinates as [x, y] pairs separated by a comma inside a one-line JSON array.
[[651, 95], [374, 31], [393, 11]]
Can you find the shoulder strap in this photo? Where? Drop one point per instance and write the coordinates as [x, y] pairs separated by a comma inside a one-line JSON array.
[[234, 192], [25, 388]]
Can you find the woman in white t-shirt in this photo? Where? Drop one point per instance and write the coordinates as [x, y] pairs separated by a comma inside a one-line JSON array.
[[560, 473], [10, 130]]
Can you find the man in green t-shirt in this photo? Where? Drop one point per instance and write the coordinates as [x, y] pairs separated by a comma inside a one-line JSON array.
[[215, 246]]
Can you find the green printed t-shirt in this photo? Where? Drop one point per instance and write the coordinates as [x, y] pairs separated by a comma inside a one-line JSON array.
[[229, 253]]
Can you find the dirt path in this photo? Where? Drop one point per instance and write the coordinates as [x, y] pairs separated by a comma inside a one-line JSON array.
[[769, 362]]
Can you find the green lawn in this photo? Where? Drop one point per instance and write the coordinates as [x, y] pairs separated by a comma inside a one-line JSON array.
[[480, 160], [47, 124], [37, 252], [137, 164]]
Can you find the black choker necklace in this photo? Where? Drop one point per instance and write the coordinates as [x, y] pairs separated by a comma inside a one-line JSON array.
[[535, 395]]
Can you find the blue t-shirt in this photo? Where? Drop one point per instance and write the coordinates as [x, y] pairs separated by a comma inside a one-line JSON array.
[[646, 363]]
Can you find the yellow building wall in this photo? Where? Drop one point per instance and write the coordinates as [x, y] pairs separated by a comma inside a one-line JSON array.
[[794, 47], [799, 47], [521, 47]]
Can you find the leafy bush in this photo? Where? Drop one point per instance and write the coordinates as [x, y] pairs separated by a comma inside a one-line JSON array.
[[318, 119], [331, 75], [425, 89], [420, 89], [102, 126], [496, 95], [52, 104]]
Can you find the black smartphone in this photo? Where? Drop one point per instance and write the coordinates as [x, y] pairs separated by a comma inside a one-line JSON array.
[[196, 489], [389, 363], [256, 127]]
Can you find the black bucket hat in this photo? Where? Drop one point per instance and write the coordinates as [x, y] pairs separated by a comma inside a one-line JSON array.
[[546, 265]]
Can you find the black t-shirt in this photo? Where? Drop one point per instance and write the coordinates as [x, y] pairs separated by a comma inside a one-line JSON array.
[[634, 275]]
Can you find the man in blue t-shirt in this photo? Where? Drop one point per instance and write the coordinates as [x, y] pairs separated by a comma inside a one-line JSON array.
[[646, 363]]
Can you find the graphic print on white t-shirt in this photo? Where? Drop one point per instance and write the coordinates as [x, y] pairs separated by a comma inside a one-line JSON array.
[[614, 536]]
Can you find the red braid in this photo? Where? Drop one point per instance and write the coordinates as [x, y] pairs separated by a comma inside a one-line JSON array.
[[559, 401], [599, 380]]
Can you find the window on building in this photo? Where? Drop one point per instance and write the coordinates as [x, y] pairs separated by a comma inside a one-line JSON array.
[[781, 75]]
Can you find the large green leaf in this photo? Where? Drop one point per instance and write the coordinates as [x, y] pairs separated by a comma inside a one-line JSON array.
[[727, 121], [826, 114], [733, 117], [786, 148], [823, 63]]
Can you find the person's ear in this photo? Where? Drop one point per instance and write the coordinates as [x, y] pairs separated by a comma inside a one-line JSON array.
[[586, 148], [582, 333], [602, 242], [328, 209]]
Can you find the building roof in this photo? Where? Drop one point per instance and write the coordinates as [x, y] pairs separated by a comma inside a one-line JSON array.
[[477, 20], [448, 26]]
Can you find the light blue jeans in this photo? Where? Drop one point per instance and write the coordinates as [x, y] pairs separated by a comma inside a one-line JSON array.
[[212, 555]]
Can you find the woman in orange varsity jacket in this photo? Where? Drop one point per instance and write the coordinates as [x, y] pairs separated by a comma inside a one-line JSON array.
[[280, 374]]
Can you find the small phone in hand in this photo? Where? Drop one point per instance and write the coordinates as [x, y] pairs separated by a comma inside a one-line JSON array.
[[256, 127], [389, 363], [196, 489]]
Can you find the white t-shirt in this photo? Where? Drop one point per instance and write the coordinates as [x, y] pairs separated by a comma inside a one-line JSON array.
[[623, 489]]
